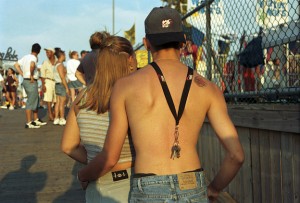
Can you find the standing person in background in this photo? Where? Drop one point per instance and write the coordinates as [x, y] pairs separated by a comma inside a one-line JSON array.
[[26, 66], [61, 88], [48, 82], [11, 83], [2, 88], [189, 54], [88, 120], [86, 70], [165, 120], [82, 54], [72, 66]]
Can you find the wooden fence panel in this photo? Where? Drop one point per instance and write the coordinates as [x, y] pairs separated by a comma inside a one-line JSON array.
[[275, 161], [287, 167], [244, 176], [296, 167], [255, 163], [265, 166], [271, 171]]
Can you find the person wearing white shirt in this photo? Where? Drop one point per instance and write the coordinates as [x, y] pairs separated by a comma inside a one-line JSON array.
[[72, 65], [27, 68], [2, 86]]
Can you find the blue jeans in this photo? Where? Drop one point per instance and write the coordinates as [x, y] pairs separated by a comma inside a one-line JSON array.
[[168, 188]]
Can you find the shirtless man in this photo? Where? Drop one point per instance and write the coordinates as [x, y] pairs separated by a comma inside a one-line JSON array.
[[166, 152]]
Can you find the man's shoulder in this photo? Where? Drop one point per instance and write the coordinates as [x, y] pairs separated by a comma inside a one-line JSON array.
[[206, 86], [46, 63], [133, 79], [27, 58]]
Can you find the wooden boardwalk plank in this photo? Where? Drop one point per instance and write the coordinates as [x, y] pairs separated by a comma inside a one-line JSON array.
[[33, 169]]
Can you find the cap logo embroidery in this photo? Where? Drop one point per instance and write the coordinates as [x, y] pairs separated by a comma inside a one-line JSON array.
[[166, 23]]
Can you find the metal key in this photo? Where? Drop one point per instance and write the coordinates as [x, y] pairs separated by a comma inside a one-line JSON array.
[[175, 151]]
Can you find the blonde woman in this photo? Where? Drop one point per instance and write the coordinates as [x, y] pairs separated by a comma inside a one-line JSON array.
[[88, 121]]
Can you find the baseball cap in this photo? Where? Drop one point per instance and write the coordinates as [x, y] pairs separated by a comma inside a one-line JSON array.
[[164, 25], [50, 49]]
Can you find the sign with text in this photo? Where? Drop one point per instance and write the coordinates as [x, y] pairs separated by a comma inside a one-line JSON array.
[[271, 13], [216, 13], [9, 55]]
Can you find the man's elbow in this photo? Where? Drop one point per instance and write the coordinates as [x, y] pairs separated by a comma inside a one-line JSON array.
[[238, 157]]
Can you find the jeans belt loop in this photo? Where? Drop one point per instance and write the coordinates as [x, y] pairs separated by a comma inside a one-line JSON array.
[[139, 183], [172, 182]]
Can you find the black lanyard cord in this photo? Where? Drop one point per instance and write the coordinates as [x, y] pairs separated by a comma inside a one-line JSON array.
[[177, 117]]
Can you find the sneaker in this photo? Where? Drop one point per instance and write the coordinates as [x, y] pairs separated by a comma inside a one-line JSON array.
[[23, 107], [4, 107], [56, 121], [32, 125], [11, 107], [39, 122], [62, 121]]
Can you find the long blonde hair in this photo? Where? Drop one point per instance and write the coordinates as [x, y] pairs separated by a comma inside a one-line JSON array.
[[112, 64]]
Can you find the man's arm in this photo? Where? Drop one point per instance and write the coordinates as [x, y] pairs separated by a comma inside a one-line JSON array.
[[18, 68], [80, 77], [114, 141], [32, 68], [226, 132], [43, 75]]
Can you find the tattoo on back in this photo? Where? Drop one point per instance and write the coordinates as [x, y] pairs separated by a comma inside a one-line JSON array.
[[200, 81]]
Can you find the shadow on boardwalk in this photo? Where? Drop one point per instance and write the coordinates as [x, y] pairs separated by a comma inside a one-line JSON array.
[[33, 169]]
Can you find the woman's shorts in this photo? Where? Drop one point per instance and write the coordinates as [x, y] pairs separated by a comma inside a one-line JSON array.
[[11, 88], [60, 90], [111, 188], [76, 84]]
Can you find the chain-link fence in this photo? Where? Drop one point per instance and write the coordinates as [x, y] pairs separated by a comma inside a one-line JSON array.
[[249, 48]]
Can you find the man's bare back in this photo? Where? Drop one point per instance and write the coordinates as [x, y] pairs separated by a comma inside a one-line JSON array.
[[151, 121]]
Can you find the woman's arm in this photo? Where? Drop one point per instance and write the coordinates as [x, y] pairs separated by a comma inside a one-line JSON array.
[[70, 143], [62, 74]]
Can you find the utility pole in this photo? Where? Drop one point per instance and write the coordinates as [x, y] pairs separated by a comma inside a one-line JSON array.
[[113, 16]]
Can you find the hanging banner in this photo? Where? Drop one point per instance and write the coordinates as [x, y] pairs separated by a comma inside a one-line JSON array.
[[142, 58], [271, 13]]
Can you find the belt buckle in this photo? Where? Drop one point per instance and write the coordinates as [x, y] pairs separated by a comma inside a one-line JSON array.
[[119, 175]]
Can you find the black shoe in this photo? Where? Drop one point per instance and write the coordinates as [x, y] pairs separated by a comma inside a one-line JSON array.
[[32, 125], [39, 122]]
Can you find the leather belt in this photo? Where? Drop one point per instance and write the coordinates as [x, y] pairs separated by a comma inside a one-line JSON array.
[[50, 79], [29, 79]]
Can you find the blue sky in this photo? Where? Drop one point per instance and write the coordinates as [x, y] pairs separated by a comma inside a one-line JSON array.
[[66, 23]]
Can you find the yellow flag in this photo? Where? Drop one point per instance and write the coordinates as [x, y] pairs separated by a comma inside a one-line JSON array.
[[142, 58], [130, 34]]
